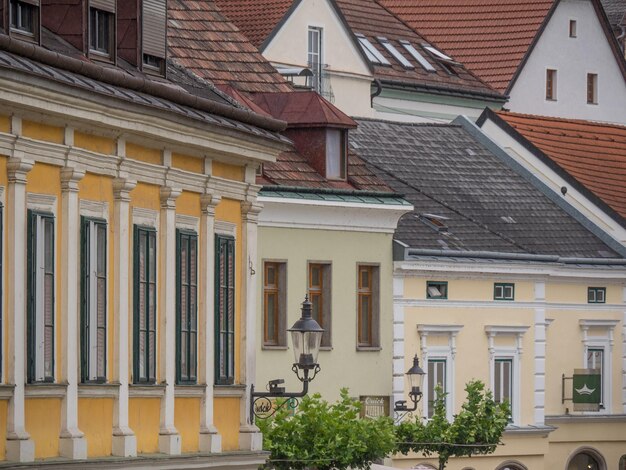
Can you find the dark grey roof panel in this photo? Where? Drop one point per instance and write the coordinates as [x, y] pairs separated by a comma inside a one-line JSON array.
[[442, 170]]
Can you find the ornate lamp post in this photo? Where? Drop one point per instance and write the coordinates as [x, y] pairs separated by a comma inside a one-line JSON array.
[[416, 377], [306, 336]]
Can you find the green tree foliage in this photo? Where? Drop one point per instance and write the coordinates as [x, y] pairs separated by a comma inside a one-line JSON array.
[[476, 430], [326, 436]]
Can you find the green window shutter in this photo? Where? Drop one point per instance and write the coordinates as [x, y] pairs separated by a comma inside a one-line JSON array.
[[30, 289], [186, 306], [224, 310], [144, 273], [84, 304]]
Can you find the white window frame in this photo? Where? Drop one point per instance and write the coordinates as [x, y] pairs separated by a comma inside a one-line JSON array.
[[515, 354], [604, 342], [92, 308], [44, 203], [316, 66], [447, 353]]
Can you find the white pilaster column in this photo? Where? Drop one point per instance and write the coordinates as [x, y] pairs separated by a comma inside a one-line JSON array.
[[249, 436], [72, 442], [124, 440], [169, 438], [19, 446], [398, 340], [624, 350], [210, 439], [540, 354]]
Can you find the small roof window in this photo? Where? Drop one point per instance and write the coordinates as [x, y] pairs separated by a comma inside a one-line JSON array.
[[417, 56], [436, 222], [395, 53], [371, 52], [436, 52]]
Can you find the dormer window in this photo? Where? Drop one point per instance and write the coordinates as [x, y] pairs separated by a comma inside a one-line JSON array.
[[154, 36], [101, 31], [24, 16], [336, 151]]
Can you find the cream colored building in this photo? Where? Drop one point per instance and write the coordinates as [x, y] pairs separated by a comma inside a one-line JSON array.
[[497, 278]]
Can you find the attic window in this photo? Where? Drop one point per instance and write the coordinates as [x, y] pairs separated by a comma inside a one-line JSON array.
[[24, 17], [436, 222], [100, 31], [572, 28], [445, 61], [336, 150], [371, 52], [417, 56], [395, 53], [154, 35]]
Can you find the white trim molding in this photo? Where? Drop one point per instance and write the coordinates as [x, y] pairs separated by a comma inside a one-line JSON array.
[[94, 209], [145, 217], [604, 342], [330, 215], [513, 353], [187, 222], [446, 353], [222, 227]]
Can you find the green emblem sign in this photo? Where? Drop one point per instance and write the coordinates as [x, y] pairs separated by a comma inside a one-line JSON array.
[[587, 389]]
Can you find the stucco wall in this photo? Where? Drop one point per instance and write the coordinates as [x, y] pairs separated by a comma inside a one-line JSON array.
[[573, 58], [369, 371]]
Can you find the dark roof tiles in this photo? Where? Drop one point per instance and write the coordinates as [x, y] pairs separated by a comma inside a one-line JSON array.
[[443, 170]]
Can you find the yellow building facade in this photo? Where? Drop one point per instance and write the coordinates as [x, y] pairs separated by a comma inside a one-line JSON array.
[[531, 337], [127, 297]]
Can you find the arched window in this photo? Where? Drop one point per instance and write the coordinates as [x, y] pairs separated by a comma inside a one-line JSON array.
[[586, 459], [622, 463], [510, 465]]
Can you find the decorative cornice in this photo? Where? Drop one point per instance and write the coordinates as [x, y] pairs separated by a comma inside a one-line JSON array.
[[122, 188], [584, 323], [70, 177], [208, 203], [168, 197], [97, 209], [46, 202], [17, 168], [225, 228], [147, 217], [187, 222]]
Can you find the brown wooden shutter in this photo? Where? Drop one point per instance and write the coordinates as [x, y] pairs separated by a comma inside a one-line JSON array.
[[154, 27], [106, 5]]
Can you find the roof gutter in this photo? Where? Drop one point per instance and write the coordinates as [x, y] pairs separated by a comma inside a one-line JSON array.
[[514, 257], [117, 77], [338, 192], [445, 91]]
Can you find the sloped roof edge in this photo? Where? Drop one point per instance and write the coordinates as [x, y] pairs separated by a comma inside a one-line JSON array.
[[475, 130]]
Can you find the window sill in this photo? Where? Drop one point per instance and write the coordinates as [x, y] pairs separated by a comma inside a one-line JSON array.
[[270, 347], [229, 391], [45, 390], [6, 391], [326, 348], [141, 390], [189, 391], [369, 348], [95, 390]]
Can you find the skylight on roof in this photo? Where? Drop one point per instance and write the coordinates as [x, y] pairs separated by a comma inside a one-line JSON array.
[[417, 56], [371, 52], [436, 52], [395, 53]]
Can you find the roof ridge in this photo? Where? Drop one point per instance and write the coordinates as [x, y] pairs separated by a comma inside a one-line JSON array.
[[562, 119]]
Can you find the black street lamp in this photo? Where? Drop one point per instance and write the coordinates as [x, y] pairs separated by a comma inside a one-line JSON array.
[[416, 377], [306, 336]]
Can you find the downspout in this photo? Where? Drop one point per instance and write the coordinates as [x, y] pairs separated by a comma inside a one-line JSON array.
[[379, 90]]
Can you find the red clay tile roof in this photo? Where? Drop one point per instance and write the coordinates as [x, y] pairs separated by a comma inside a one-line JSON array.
[[291, 169], [372, 20], [302, 109], [592, 153], [490, 37], [203, 41], [258, 18]]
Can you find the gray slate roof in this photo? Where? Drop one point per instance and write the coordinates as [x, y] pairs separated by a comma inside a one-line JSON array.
[[615, 11], [442, 170]]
